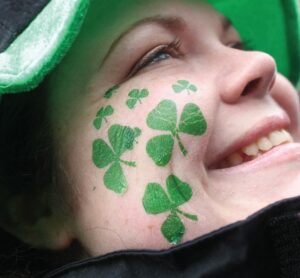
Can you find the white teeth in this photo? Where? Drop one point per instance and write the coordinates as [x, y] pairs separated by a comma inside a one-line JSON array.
[[235, 159], [264, 144], [251, 150], [276, 137], [256, 149], [279, 137], [288, 136]]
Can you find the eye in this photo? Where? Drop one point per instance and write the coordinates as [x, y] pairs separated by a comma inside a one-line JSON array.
[[157, 55]]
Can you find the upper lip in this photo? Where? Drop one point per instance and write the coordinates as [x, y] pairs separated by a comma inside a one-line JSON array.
[[263, 128]]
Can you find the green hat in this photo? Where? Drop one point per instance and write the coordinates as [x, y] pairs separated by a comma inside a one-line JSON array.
[[271, 26]]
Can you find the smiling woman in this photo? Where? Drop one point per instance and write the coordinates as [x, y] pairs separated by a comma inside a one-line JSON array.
[[162, 124]]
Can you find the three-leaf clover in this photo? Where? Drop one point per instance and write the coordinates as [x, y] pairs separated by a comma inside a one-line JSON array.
[[136, 96], [156, 201], [122, 139], [164, 118], [182, 85], [101, 115], [109, 93]]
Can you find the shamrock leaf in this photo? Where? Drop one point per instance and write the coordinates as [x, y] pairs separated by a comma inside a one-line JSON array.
[[121, 138], [192, 88], [173, 229], [114, 178], [156, 201], [183, 85], [137, 132], [131, 103], [164, 118], [192, 120], [109, 93], [101, 115], [136, 96], [180, 192], [102, 153], [160, 149]]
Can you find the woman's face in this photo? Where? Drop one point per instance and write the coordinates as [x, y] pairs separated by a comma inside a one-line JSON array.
[[167, 129]]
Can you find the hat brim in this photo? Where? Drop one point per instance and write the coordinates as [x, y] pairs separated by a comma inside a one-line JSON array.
[[271, 26], [41, 46]]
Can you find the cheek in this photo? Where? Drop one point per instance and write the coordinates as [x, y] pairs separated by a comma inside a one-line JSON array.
[[150, 131], [141, 150]]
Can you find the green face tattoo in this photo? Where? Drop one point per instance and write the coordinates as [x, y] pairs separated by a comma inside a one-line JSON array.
[[101, 115], [156, 201], [122, 139], [135, 96], [164, 118], [109, 93], [184, 85]]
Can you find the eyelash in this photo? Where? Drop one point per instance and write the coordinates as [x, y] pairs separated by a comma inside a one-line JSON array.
[[172, 49]]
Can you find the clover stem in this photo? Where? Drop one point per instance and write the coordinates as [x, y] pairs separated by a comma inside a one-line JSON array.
[[139, 100], [128, 163], [182, 148], [187, 215], [105, 120]]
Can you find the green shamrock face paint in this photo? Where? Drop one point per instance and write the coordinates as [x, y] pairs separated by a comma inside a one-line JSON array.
[[109, 93], [184, 85], [135, 96], [101, 115], [156, 201], [122, 139], [164, 118]]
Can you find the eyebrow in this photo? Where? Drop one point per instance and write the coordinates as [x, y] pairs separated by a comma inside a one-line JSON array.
[[168, 22]]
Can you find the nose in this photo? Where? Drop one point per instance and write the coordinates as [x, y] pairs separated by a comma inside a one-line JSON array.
[[246, 73]]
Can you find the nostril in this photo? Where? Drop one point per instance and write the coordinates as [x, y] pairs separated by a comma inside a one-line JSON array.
[[251, 87]]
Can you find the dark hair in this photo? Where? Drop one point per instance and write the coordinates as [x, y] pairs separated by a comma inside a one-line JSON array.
[[26, 167], [25, 142]]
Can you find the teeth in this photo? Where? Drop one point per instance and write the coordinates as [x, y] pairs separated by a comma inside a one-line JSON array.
[[251, 150], [256, 149], [279, 137], [264, 144]]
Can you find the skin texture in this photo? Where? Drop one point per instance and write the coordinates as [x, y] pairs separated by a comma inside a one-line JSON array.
[[211, 60]]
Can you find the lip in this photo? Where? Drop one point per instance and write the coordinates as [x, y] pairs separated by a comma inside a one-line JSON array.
[[277, 155], [259, 130]]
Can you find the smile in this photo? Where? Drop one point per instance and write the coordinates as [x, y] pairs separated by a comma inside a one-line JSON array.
[[257, 148]]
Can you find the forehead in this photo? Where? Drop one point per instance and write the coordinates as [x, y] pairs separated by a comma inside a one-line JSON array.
[[106, 15], [109, 21]]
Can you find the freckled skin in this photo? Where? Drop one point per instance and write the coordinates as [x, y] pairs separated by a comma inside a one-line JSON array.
[[105, 221]]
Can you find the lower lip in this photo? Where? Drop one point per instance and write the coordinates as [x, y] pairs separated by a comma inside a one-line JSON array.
[[278, 155]]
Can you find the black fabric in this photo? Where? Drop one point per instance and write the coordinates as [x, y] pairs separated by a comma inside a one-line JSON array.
[[285, 231], [267, 244], [15, 16]]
